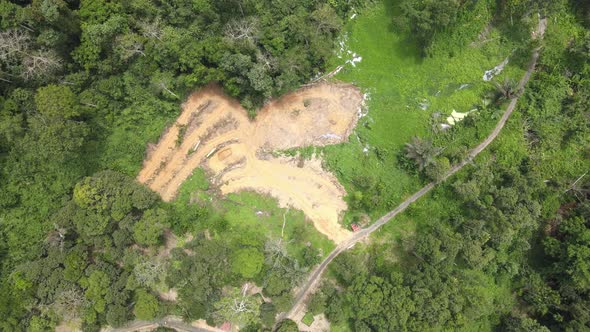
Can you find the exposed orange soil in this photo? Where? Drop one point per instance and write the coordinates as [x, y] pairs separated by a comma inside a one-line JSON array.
[[214, 132]]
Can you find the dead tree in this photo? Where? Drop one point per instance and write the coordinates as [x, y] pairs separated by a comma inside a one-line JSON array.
[[277, 257], [578, 191], [40, 64], [237, 307], [57, 236], [129, 46], [149, 273], [152, 30], [244, 29], [276, 252], [267, 60], [13, 44], [69, 304], [163, 86], [15, 49]]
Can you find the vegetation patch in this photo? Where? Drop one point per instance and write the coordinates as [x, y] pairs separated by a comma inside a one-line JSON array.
[[407, 95], [307, 319]]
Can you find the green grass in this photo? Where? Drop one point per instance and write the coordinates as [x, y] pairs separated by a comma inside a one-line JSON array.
[[251, 213], [194, 187], [397, 80], [260, 213], [307, 319]]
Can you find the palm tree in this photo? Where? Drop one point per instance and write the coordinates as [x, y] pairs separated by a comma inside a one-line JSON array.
[[422, 152], [507, 90]]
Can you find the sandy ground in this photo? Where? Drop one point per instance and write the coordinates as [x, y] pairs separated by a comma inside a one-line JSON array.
[[214, 132], [73, 326]]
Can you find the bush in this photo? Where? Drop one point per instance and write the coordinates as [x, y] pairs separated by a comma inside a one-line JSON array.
[[247, 262], [287, 325], [268, 312], [317, 305], [437, 170]]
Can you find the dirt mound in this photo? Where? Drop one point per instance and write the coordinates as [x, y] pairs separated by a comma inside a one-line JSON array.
[[214, 132]]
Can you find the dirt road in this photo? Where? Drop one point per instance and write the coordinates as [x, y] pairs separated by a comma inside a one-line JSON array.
[[315, 276], [171, 322]]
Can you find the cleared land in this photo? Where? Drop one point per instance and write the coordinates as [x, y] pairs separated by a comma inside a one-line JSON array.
[[214, 132]]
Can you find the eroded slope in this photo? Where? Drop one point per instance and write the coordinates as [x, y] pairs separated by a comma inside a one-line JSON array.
[[214, 132]]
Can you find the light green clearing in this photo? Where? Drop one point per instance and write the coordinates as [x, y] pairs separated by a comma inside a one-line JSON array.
[[262, 214], [397, 81]]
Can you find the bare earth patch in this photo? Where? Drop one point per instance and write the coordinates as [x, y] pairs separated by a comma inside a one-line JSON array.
[[73, 326], [214, 132]]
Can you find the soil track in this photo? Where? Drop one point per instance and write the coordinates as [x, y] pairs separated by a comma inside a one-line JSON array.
[[214, 132], [313, 280]]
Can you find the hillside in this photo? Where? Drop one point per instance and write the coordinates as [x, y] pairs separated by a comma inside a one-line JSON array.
[[258, 165]]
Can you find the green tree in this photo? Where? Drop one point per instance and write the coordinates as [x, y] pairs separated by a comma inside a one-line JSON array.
[[573, 253], [199, 276], [438, 169], [112, 195], [247, 262], [75, 263], [149, 229], [523, 324], [40, 324], [57, 101], [426, 18], [96, 289], [287, 325], [146, 305], [379, 305], [422, 152]]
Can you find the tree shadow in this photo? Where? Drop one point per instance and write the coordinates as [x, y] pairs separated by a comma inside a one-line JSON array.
[[405, 46]]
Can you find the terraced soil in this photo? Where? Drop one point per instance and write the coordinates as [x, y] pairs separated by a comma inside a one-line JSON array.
[[214, 132]]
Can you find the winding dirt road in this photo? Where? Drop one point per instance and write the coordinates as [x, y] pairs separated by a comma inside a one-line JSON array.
[[315, 276], [171, 322]]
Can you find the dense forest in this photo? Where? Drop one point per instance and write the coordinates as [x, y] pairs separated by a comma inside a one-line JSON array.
[[86, 84]]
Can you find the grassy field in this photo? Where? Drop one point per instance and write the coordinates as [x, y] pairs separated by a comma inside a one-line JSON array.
[[250, 213], [407, 95], [260, 213]]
